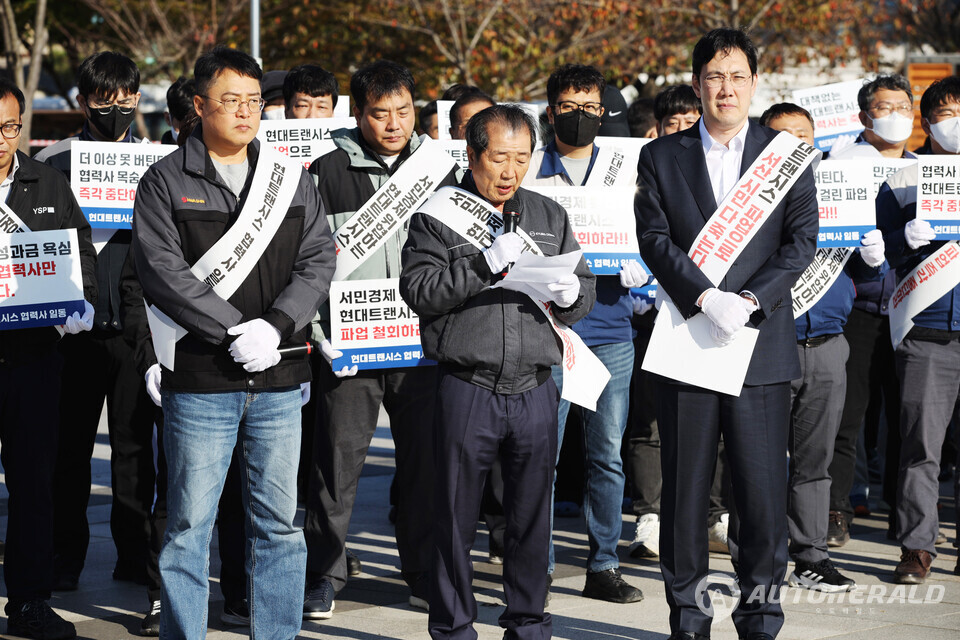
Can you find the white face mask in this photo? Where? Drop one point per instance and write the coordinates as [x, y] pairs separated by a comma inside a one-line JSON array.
[[273, 114], [947, 134], [893, 128]]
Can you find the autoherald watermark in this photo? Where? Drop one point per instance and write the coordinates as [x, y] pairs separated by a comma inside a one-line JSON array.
[[719, 595]]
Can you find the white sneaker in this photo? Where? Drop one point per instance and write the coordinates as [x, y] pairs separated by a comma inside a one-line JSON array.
[[646, 540], [717, 535]]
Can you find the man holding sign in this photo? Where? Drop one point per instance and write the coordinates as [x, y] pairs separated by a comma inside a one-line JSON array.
[[33, 197], [766, 229], [496, 347], [234, 254], [925, 330]]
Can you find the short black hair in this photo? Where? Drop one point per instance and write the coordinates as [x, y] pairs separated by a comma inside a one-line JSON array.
[[454, 91], [640, 117], [379, 79], [9, 88], [311, 79], [940, 92], [105, 74], [724, 40], [180, 97], [784, 109], [473, 95], [510, 115], [892, 82], [211, 64], [426, 111], [578, 77], [676, 100]]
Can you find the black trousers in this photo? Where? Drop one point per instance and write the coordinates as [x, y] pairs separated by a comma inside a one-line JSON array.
[[754, 429], [28, 451], [99, 365], [473, 427], [345, 425], [230, 532], [871, 379]]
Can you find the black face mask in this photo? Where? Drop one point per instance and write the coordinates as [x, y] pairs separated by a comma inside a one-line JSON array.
[[576, 128], [112, 125]]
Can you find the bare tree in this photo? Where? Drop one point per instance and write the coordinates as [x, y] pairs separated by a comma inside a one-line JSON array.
[[14, 47]]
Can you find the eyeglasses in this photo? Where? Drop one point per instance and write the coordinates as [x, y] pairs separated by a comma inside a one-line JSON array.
[[125, 107], [11, 131], [738, 80], [883, 109], [232, 105], [590, 108]]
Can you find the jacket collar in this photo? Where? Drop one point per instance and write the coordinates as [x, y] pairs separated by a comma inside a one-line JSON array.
[[552, 165], [363, 157], [197, 160], [28, 169]]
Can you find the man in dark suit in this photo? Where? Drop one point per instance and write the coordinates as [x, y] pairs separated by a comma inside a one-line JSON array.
[[682, 177]]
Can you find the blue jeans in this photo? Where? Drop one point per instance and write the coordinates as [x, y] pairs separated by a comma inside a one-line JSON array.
[[602, 434], [200, 432]]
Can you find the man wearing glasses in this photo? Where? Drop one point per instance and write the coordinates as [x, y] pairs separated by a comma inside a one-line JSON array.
[[575, 94], [231, 243], [33, 197], [886, 112], [100, 364]]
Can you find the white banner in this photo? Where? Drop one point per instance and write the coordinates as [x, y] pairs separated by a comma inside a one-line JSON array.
[[41, 282], [584, 376], [230, 260], [619, 170], [835, 111], [817, 279], [305, 139], [457, 150], [938, 194], [603, 222], [737, 220], [846, 200], [928, 282], [388, 210], [372, 325], [104, 178]]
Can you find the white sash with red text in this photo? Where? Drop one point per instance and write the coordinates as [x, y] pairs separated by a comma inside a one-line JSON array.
[[932, 279], [584, 376]]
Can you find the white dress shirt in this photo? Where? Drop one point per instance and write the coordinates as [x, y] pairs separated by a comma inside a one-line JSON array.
[[8, 181], [723, 161]]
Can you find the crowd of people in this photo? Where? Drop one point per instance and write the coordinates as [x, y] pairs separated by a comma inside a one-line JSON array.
[[234, 246]]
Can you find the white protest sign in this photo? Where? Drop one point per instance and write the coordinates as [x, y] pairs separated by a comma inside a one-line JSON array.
[[41, 283], [846, 202], [305, 139], [342, 110], [882, 168], [443, 119], [372, 325], [104, 178], [457, 149], [603, 223], [938, 194], [835, 111]]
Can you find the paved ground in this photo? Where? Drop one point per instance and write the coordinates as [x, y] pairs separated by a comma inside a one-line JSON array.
[[374, 605]]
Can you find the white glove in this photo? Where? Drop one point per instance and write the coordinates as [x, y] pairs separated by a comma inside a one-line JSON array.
[[504, 250], [330, 354], [152, 378], [565, 290], [872, 248], [728, 311], [719, 337], [918, 233], [632, 274], [304, 393], [641, 306], [75, 323], [256, 346]]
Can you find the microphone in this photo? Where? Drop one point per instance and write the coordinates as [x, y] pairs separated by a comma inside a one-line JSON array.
[[298, 350], [512, 210]]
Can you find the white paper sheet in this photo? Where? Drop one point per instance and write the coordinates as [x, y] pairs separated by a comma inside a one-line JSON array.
[[683, 350]]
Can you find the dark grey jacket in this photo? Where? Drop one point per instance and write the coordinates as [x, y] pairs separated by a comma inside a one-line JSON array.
[[182, 209], [493, 338]]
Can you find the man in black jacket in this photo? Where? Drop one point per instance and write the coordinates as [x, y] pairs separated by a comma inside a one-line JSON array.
[[495, 394], [232, 247], [30, 375]]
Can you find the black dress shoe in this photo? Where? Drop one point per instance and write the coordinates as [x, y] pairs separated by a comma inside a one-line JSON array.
[[610, 586], [354, 568], [687, 635], [757, 635]]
